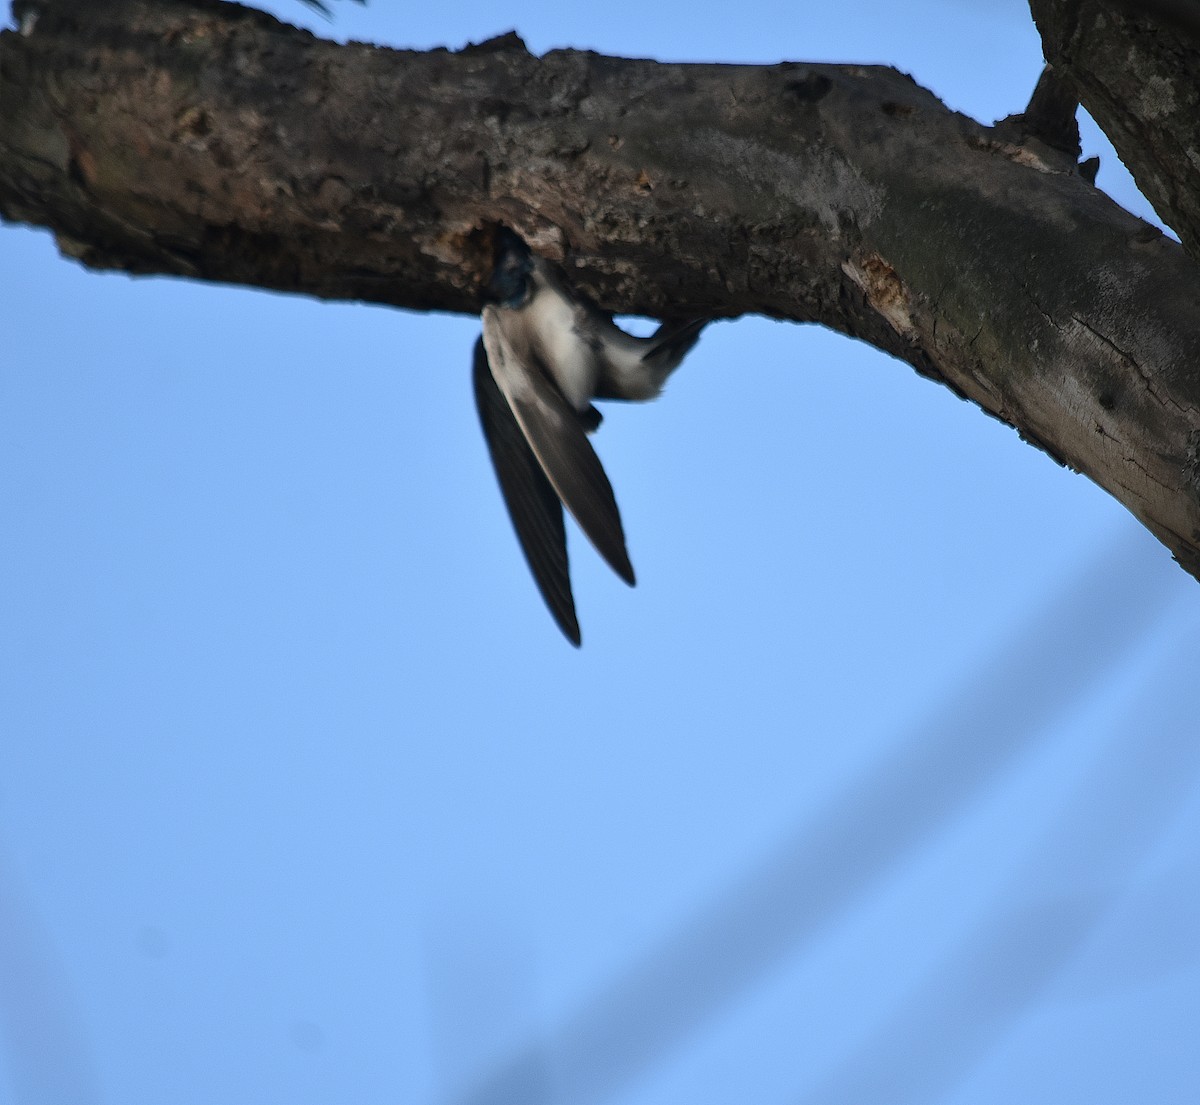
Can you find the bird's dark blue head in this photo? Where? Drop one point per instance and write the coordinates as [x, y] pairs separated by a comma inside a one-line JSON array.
[[509, 283]]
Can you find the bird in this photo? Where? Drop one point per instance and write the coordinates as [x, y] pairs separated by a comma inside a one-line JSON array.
[[546, 352]]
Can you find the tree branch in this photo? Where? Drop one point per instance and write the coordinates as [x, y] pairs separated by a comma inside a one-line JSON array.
[[201, 139], [1135, 65], [1050, 116]]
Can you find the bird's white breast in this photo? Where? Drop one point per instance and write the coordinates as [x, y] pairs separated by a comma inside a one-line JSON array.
[[570, 360]]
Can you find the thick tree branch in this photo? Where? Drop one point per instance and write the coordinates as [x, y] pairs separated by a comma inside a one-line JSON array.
[[200, 139], [1135, 65]]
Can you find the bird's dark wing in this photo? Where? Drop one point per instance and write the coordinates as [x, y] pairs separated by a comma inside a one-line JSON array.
[[532, 503], [556, 435]]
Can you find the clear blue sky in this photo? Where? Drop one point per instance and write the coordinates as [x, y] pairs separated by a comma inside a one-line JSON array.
[[882, 786]]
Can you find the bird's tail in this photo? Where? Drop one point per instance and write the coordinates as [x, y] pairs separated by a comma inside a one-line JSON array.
[[671, 342]]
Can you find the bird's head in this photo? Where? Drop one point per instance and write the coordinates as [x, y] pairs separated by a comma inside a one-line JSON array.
[[509, 283]]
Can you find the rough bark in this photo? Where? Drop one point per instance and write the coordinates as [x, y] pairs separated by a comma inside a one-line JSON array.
[[205, 140], [1135, 65]]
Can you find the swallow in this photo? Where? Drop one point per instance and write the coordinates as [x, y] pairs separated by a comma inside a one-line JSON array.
[[545, 354]]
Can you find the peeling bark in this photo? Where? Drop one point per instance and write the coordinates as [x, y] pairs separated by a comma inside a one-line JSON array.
[[201, 139]]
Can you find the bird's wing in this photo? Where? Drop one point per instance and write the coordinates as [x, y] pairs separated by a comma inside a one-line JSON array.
[[532, 503], [556, 435]]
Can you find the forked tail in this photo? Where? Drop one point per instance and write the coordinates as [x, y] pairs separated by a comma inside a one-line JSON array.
[[671, 342]]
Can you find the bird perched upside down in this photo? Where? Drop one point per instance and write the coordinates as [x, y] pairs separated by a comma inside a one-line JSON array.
[[545, 354]]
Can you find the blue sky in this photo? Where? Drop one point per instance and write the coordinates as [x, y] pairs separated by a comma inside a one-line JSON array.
[[881, 786]]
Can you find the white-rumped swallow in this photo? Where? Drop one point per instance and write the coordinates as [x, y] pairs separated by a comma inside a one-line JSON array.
[[545, 354]]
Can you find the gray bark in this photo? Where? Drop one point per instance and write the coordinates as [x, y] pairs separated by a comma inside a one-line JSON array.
[[1135, 65], [199, 139]]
